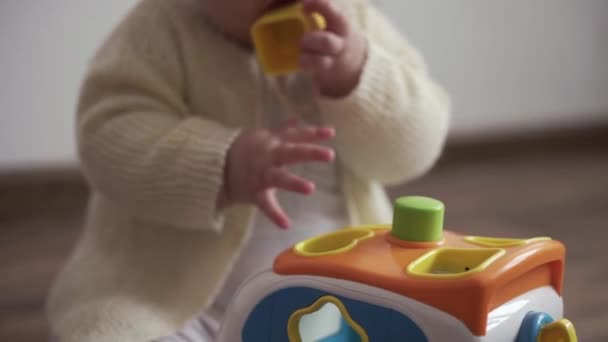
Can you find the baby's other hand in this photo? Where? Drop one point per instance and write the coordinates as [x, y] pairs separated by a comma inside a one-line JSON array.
[[257, 160], [335, 56]]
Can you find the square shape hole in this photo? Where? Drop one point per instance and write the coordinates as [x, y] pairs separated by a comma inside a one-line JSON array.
[[454, 262]]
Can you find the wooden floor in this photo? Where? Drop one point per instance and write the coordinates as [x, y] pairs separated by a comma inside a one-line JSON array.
[[535, 187]]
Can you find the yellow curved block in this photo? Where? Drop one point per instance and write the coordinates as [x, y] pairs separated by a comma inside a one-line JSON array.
[[277, 34], [558, 331]]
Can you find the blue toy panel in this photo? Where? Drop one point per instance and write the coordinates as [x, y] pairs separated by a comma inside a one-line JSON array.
[[268, 320]]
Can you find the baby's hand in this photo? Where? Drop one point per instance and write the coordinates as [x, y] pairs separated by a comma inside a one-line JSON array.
[[256, 163], [335, 56]]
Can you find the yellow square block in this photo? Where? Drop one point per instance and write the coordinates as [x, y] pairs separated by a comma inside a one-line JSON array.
[[277, 34]]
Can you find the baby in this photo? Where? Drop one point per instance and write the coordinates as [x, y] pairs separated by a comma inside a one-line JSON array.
[[183, 139]]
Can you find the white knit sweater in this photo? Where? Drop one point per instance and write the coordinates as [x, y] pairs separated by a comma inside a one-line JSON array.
[[164, 98]]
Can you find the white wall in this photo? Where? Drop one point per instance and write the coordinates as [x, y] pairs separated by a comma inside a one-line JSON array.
[[509, 65], [44, 47], [516, 64]]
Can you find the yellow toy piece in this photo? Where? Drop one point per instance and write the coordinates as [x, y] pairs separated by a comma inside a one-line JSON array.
[[294, 320], [558, 331], [276, 37]]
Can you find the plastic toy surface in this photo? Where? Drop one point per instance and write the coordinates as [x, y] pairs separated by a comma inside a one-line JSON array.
[[409, 281], [276, 37]]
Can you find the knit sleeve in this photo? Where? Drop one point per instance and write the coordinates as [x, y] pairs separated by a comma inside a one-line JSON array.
[[392, 127], [139, 144]]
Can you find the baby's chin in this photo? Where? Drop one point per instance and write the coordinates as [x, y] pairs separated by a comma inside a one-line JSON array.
[[274, 4]]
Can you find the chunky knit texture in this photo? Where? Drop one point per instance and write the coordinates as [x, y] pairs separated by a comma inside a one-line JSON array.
[[164, 98]]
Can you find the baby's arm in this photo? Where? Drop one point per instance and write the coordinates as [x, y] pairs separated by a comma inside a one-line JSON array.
[[393, 125], [139, 145], [142, 148]]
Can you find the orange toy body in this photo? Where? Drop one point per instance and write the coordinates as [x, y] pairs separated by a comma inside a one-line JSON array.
[[407, 281], [379, 262]]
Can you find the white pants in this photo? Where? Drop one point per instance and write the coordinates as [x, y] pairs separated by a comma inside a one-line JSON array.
[[196, 330], [200, 329]]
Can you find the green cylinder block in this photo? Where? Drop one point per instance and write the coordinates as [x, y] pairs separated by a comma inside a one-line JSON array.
[[418, 219]]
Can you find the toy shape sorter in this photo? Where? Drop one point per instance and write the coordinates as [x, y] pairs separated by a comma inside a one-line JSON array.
[[409, 281], [277, 34]]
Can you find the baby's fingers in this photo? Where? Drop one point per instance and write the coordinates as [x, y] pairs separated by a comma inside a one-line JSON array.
[[315, 63], [268, 204], [290, 153], [292, 122], [308, 134], [282, 179], [322, 43]]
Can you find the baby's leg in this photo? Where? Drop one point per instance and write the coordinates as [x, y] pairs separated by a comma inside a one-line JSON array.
[[200, 329], [197, 330]]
